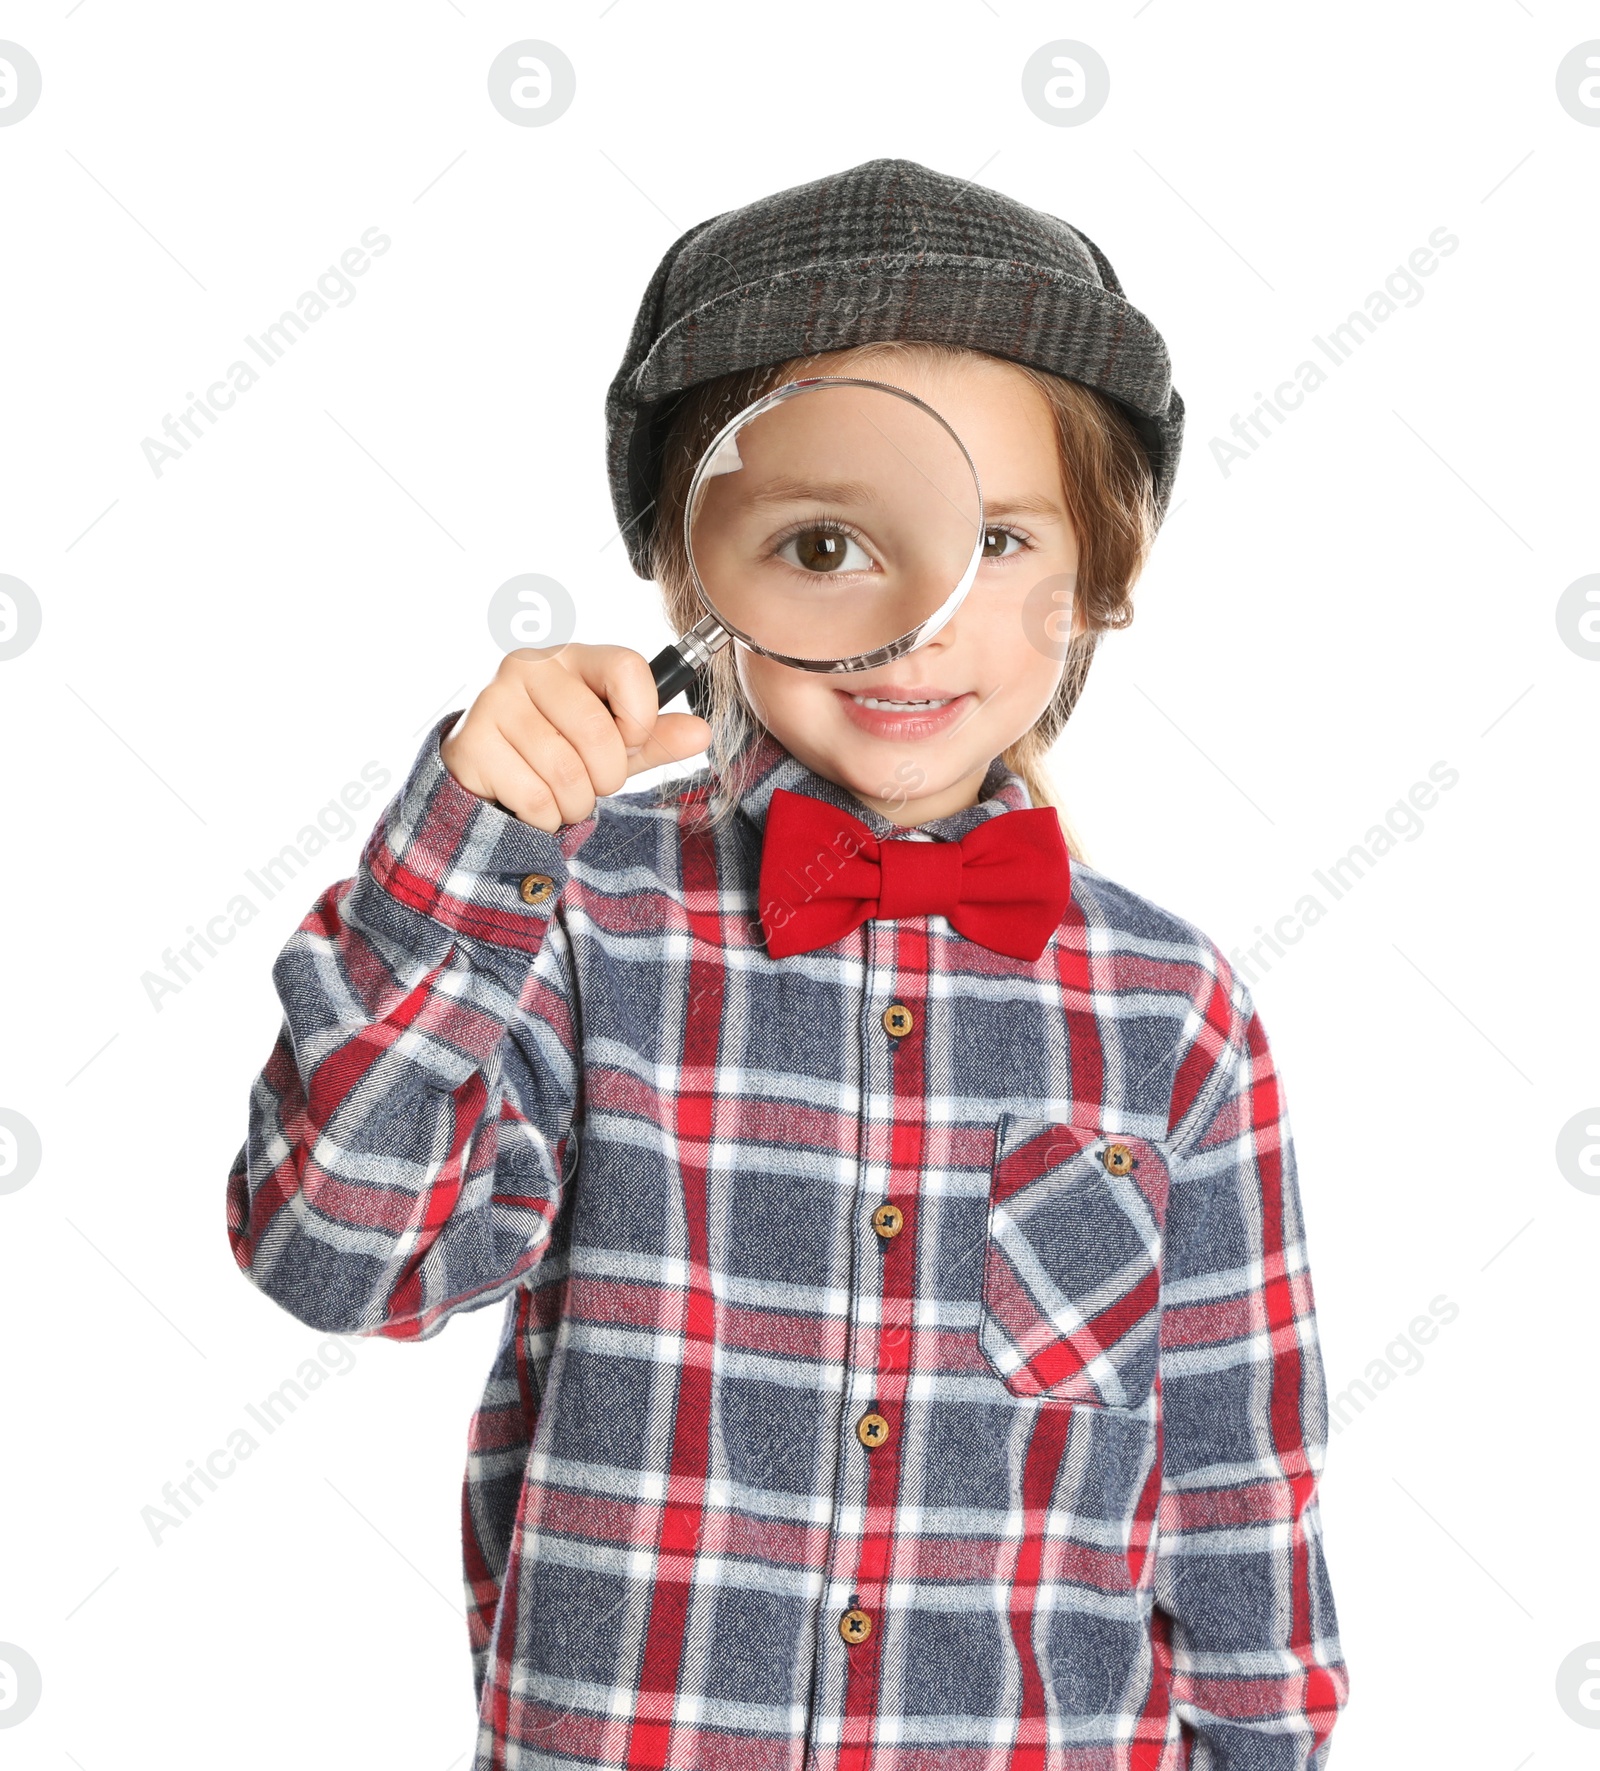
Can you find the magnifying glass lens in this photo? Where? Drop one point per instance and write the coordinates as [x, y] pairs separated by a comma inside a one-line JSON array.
[[835, 519]]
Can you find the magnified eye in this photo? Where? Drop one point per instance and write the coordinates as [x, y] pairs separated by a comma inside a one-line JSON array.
[[999, 543], [823, 548]]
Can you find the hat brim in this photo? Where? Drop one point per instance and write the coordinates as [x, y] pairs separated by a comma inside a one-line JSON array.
[[1027, 313]]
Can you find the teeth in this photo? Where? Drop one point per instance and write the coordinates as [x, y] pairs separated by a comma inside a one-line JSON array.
[[878, 702]]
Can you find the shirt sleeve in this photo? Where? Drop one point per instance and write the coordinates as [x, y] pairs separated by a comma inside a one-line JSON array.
[[1244, 1611], [406, 1137]]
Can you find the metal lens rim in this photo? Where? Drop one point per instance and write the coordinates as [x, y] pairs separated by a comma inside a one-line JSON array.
[[896, 648]]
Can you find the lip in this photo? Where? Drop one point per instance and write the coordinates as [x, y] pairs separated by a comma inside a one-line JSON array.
[[920, 723]]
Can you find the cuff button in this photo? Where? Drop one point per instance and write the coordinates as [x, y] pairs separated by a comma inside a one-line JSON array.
[[536, 888]]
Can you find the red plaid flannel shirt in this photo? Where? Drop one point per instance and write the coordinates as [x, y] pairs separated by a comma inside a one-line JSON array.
[[922, 1399]]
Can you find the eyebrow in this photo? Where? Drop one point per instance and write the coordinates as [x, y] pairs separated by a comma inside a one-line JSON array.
[[787, 491], [820, 491], [1039, 504]]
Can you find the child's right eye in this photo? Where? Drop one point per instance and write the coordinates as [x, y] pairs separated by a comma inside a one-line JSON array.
[[823, 548]]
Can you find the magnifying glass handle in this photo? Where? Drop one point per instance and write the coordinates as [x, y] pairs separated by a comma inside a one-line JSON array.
[[673, 673], [676, 667]]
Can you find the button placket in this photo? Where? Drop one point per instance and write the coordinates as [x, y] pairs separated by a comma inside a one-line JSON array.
[[865, 1429], [895, 1075], [839, 1669]]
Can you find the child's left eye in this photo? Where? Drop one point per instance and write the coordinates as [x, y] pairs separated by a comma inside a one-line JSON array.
[[999, 543]]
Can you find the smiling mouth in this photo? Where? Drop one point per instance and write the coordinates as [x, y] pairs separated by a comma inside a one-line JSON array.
[[915, 711]]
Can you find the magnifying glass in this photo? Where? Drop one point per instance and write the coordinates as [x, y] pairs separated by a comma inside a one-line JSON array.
[[833, 525]]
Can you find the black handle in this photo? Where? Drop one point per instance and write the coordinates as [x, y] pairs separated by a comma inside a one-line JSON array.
[[675, 675]]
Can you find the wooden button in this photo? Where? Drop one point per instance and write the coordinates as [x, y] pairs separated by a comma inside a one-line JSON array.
[[888, 1220], [897, 1020], [855, 1625], [872, 1430], [1118, 1159], [536, 888]]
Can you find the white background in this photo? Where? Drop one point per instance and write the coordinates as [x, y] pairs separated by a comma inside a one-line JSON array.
[[225, 645]]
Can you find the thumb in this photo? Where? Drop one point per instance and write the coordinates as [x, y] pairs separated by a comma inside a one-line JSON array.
[[675, 737]]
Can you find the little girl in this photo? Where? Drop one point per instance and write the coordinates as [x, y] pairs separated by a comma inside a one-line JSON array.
[[910, 1361]]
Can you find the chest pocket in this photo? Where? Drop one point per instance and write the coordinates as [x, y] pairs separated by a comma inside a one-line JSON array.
[[1072, 1262]]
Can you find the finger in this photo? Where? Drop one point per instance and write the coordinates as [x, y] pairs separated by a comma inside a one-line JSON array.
[[677, 736], [602, 730], [622, 679], [514, 787], [560, 726], [461, 763], [565, 775]]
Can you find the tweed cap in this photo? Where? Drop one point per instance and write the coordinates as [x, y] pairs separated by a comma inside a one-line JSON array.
[[888, 249]]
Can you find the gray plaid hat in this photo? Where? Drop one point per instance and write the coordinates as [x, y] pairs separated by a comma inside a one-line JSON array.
[[888, 249]]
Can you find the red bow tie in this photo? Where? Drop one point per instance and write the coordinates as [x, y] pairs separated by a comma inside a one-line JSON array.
[[1005, 885]]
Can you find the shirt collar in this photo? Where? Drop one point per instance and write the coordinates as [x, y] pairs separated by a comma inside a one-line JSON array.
[[763, 765]]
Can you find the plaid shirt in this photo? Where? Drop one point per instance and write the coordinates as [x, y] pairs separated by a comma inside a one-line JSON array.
[[869, 1399]]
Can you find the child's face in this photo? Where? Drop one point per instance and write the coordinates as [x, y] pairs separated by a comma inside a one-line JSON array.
[[994, 678]]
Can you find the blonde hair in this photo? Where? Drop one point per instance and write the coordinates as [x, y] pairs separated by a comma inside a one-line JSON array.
[[1108, 487]]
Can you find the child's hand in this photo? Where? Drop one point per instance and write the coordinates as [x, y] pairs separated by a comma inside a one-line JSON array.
[[541, 741]]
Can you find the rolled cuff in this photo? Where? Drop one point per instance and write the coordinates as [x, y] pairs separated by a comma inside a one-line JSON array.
[[465, 863]]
